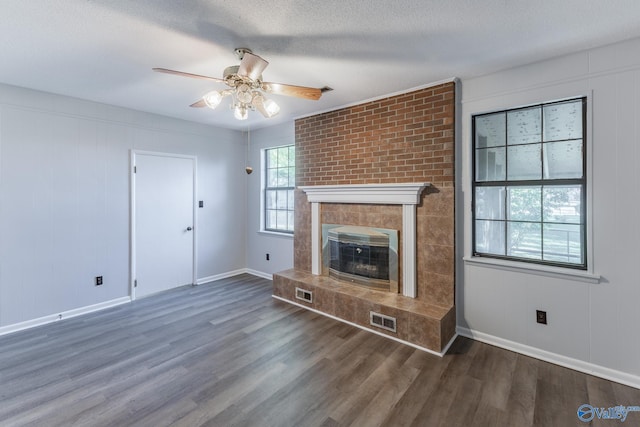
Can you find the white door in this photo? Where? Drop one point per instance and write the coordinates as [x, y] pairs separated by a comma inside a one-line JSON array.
[[163, 222]]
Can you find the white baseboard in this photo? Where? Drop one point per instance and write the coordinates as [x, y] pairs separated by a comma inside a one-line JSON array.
[[557, 359], [234, 273], [220, 276], [260, 274], [440, 354], [63, 315]]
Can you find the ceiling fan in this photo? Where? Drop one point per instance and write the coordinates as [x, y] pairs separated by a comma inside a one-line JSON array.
[[246, 87]]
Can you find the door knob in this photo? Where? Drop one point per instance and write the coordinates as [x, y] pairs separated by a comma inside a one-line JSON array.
[[189, 228]]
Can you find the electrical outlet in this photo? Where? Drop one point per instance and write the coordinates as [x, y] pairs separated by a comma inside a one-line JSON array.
[[201, 204], [267, 257], [541, 317], [98, 280]]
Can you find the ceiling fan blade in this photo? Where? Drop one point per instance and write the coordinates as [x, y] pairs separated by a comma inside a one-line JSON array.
[[183, 74], [199, 104], [291, 90], [252, 66]]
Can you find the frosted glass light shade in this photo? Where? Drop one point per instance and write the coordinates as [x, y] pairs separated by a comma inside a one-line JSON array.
[[240, 112], [212, 99], [271, 107]]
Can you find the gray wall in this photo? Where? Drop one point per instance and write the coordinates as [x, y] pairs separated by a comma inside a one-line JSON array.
[[280, 248], [64, 199], [592, 326]]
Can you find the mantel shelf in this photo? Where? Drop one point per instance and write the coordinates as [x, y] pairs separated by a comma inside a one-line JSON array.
[[387, 194]]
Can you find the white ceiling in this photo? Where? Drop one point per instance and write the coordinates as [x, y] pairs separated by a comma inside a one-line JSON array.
[[103, 50]]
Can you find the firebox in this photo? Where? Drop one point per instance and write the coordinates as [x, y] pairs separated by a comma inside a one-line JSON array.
[[363, 256]]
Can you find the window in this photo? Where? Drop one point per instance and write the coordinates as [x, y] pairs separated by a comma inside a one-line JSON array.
[[280, 170], [529, 188]]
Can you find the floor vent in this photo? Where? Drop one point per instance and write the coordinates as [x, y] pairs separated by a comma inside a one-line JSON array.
[[303, 295], [382, 321]]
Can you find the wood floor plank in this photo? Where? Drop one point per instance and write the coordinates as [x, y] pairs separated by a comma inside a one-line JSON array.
[[227, 354]]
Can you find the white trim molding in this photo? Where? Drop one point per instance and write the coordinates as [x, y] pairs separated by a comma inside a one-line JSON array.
[[208, 279], [405, 194], [63, 315], [558, 359]]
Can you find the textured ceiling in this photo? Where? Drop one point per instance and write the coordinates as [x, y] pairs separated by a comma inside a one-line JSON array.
[[103, 50]]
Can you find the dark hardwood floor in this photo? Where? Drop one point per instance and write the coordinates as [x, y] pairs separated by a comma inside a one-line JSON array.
[[226, 354]]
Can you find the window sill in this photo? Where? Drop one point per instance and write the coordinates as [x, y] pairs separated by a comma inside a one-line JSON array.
[[541, 270], [276, 234]]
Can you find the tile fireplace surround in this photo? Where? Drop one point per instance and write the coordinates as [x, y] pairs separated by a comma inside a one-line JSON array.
[[387, 164]]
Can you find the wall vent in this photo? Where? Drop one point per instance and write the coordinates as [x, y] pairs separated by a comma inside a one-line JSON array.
[[304, 295], [382, 321]]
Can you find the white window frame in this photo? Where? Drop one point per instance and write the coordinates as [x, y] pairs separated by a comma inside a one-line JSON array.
[[263, 192]]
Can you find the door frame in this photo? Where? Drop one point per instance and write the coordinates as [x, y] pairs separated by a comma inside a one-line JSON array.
[[132, 214]]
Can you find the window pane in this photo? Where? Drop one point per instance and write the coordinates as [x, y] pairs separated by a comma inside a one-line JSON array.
[[490, 237], [272, 178], [562, 243], [292, 177], [270, 197], [283, 177], [525, 240], [271, 219], [290, 219], [524, 126], [524, 162], [281, 220], [290, 200], [524, 203], [562, 204], [489, 203], [283, 157], [563, 159], [281, 199], [272, 158], [563, 121], [292, 155], [490, 164], [490, 130]]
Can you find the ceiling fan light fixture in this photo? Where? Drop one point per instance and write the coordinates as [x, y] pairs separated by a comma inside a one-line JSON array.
[[271, 107], [246, 87], [243, 93], [267, 107], [241, 112], [212, 99]]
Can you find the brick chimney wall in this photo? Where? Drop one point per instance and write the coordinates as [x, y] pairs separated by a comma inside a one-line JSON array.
[[403, 138]]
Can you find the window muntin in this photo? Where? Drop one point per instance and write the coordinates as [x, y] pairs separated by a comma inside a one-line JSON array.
[[280, 175], [529, 189]]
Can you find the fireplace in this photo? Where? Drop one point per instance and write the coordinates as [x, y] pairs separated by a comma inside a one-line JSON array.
[[363, 256], [405, 194]]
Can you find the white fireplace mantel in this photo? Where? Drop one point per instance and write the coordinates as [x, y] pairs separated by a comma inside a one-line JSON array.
[[405, 194], [384, 194]]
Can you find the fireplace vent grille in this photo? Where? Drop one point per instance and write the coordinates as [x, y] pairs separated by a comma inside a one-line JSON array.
[[304, 295], [382, 321]]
